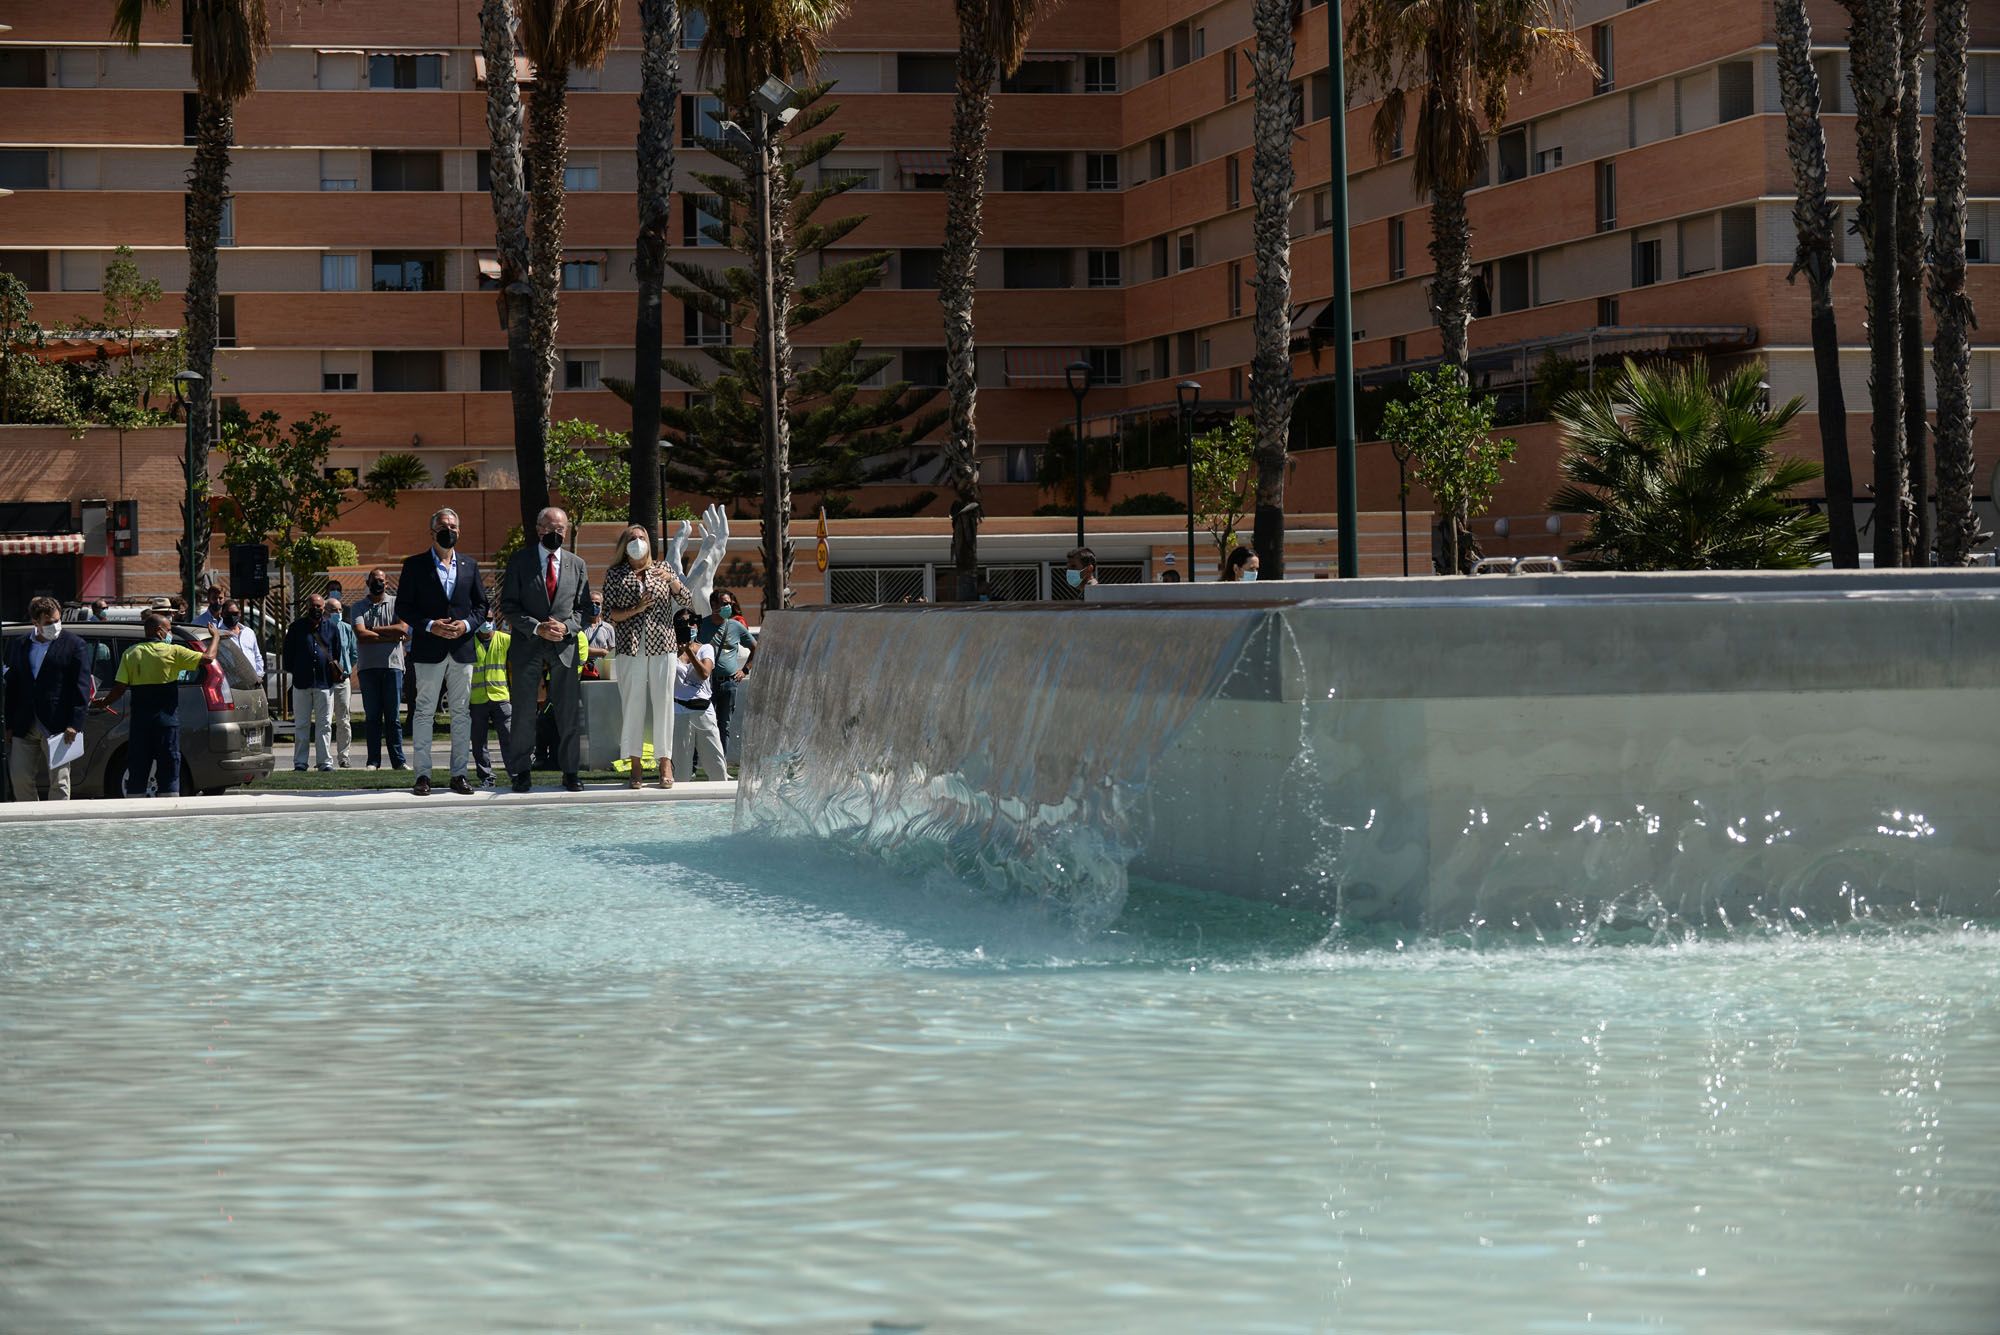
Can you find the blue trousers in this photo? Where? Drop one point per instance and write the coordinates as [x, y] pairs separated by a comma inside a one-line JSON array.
[[153, 752], [381, 703]]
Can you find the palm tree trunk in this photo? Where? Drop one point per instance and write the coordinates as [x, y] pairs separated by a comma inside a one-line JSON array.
[[548, 156], [965, 199], [768, 235], [1917, 531], [659, 98], [510, 227], [208, 191], [1812, 218], [1872, 41], [1958, 528], [1271, 178], [1451, 283]]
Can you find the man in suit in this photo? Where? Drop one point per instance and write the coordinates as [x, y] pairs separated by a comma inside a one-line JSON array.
[[546, 598], [48, 693], [440, 598]]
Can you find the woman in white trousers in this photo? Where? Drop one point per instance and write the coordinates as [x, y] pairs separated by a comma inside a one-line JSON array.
[[640, 598], [695, 728]]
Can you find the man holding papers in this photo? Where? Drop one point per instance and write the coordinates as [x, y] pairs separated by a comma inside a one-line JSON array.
[[48, 693]]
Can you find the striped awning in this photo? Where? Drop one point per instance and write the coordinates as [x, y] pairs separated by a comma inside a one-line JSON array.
[[41, 544], [924, 164], [1040, 366], [524, 72]]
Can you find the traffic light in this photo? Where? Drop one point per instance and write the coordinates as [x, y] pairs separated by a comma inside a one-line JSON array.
[[124, 528]]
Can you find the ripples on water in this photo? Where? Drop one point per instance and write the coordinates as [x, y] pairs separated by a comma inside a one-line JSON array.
[[693, 1081]]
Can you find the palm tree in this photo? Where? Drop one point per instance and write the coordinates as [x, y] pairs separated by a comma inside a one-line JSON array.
[[227, 39], [1874, 47], [659, 97], [992, 38], [748, 42], [555, 35], [1458, 61], [1813, 218], [1958, 529], [1917, 524], [1675, 472], [1271, 388]]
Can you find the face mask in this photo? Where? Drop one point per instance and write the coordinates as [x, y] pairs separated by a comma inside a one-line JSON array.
[[50, 631], [552, 541], [486, 628], [447, 538], [1250, 575], [378, 587], [726, 609], [1075, 578], [636, 549], [231, 620]]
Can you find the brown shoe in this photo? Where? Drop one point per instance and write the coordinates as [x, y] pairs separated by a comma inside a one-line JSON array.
[[422, 787]]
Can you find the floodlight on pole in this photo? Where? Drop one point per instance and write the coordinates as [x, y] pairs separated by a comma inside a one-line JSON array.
[[776, 99]]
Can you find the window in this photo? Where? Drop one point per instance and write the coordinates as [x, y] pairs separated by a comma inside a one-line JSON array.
[[581, 176], [1100, 171], [1034, 171], [585, 78], [335, 381], [30, 266], [1229, 76], [1232, 186], [1645, 262], [405, 171], [582, 275], [1156, 57], [1514, 293], [701, 118], [1399, 350], [580, 372], [1298, 105], [1160, 366], [919, 268], [1832, 87], [225, 321], [190, 119], [863, 178], [1183, 148], [225, 233], [1156, 157], [1607, 196], [1739, 238], [1607, 312], [24, 169], [700, 215], [1187, 346], [1548, 159], [1398, 264], [1322, 210], [1975, 250], [1100, 74], [1184, 252], [1322, 95], [339, 273], [1159, 249], [493, 375], [1600, 51], [1200, 43], [24, 67], [1396, 149], [409, 372], [1035, 76], [405, 72], [1105, 267], [694, 27], [1734, 83], [926, 74], [1023, 267], [1235, 287], [342, 183], [1513, 149], [1107, 365], [1183, 40], [924, 367], [406, 271]]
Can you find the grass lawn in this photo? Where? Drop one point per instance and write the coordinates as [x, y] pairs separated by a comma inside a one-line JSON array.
[[351, 780]]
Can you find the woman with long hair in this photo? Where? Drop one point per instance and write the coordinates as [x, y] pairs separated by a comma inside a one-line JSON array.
[[640, 598], [1240, 564]]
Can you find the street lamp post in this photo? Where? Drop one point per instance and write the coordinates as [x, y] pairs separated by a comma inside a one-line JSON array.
[[185, 384], [1188, 395], [1077, 376], [1402, 454], [1346, 487], [665, 445]]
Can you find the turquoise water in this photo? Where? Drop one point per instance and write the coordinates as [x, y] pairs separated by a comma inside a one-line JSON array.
[[386, 1073]]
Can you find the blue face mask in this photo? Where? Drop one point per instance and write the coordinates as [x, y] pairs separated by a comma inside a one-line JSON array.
[[1075, 578], [486, 628], [1250, 575]]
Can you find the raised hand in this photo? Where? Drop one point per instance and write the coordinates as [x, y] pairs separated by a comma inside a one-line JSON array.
[[714, 545], [675, 546]]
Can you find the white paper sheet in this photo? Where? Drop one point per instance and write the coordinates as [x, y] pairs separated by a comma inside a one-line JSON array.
[[62, 753]]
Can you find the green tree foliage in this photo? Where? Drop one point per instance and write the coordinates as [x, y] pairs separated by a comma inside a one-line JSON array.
[[589, 470], [1224, 480], [309, 556], [278, 484], [840, 435], [1676, 472], [1150, 503], [392, 473], [1447, 432], [1056, 471]]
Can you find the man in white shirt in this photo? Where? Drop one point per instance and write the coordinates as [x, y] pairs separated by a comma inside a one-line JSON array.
[[246, 638]]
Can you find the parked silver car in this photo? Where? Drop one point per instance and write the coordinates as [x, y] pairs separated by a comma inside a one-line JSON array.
[[225, 721]]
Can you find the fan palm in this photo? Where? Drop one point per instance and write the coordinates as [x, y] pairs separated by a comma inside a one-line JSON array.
[[1958, 529], [227, 37], [992, 38], [1676, 472], [748, 42], [659, 97], [1918, 528]]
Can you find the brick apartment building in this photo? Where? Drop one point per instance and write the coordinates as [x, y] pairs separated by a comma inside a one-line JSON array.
[[1644, 209]]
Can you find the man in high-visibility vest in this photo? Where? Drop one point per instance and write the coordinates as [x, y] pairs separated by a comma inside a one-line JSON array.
[[489, 697]]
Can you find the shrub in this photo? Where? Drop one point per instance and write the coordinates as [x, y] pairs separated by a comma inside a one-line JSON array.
[[312, 555], [1150, 503], [458, 477]]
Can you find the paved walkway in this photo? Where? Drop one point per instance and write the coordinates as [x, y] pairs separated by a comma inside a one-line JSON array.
[[287, 802]]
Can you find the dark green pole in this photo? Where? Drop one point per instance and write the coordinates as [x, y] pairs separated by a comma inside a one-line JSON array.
[[1343, 313]]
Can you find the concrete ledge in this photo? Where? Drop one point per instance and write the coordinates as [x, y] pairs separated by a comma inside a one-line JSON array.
[[297, 803]]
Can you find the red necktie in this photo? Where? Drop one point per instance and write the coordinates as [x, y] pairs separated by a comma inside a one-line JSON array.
[[554, 557]]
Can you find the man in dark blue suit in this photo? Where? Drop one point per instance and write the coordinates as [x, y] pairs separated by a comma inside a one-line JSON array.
[[48, 693], [440, 597]]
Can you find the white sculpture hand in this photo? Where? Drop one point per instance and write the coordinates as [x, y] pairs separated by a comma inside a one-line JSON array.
[[708, 561], [675, 546]]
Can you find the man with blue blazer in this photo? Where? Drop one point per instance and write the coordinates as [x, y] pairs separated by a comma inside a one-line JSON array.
[[546, 597], [440, 597], [48, 693]]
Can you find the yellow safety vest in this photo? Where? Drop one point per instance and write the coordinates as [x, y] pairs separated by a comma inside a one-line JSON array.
[[582, 651], [489, 670]]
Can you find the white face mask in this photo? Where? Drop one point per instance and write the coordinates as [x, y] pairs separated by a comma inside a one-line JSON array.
[[1250, 575], [636, 549], [50, 631]]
